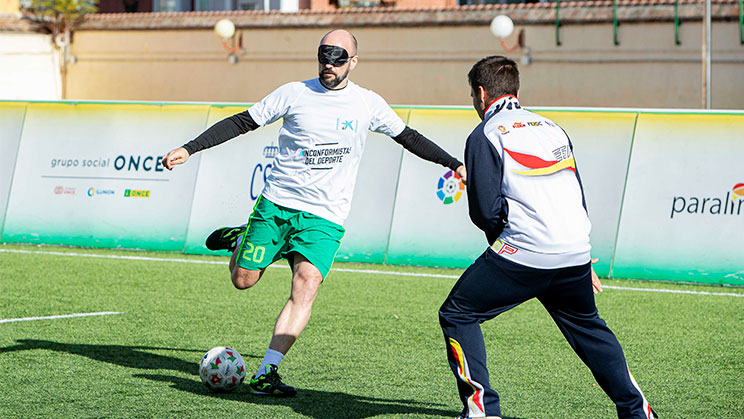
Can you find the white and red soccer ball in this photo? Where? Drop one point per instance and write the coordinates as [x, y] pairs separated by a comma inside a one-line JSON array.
[[222, 369]]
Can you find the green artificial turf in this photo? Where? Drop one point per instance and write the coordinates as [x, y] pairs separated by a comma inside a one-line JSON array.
[[373, 347]]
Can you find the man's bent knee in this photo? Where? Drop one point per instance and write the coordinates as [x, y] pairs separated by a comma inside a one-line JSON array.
[[243, 278], [450, 314]]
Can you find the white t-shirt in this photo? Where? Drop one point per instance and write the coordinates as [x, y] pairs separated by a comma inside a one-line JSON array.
[[321, 143]]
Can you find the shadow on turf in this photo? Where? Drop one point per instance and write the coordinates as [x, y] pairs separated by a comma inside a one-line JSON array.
[[315, 403], [126, 356], [312, 403]]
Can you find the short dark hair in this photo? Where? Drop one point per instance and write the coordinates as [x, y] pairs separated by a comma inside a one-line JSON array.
[[497, 74]]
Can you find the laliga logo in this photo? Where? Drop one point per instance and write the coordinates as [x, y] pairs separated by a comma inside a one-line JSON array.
[[450, 187]]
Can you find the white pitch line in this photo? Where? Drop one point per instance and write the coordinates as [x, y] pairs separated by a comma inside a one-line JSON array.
[[413, 274], [727, 294], [61, 316], [93, 255], [359, 271]]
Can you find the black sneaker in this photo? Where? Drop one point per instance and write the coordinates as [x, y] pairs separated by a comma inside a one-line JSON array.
[[225, 238], [270, 384]]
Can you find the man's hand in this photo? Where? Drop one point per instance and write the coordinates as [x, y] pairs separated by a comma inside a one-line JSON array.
[[462, 173], [596, 285], [174, 157]]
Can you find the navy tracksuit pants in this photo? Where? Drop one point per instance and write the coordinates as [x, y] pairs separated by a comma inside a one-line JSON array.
[[493, 285]]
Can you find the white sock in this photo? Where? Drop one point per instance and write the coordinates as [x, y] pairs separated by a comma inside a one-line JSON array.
[[272, 357]]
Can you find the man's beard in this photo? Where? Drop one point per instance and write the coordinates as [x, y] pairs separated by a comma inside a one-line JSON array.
[[335, 81]]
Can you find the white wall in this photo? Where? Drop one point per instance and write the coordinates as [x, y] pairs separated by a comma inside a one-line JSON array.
[[29, 68]]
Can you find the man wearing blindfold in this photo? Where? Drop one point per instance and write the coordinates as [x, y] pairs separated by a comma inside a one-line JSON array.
[[307, 197]]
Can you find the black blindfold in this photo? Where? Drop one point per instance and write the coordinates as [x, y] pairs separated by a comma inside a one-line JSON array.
[[333, 55]]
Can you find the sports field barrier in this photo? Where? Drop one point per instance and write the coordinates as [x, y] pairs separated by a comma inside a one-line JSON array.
[[665, 188]]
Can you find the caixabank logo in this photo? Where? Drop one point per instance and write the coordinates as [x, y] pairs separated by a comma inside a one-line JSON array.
[[450, 187], [729, 204]]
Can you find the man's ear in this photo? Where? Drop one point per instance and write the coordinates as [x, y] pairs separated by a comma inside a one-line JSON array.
[[483, 95]]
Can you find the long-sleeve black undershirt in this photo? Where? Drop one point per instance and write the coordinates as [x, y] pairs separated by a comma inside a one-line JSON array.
[[423, 147], [242, 123], [222, 131]]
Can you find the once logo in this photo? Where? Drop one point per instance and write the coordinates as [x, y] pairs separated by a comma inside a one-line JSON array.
[[136, 163], [136, 193], [450, 187], [63, 190], [728, 205]]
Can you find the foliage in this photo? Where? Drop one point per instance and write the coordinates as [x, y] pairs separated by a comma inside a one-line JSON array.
[[59, 16]]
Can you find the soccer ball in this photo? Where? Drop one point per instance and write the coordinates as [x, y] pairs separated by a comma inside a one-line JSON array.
[[222, 369], [502, 26]]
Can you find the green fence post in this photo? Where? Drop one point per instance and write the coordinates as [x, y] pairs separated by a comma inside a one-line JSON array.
[[614, 23], [741, 22], [558, 22], [676, 22]]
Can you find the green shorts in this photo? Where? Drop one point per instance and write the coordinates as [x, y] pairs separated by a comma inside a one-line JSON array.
[[273, 232]]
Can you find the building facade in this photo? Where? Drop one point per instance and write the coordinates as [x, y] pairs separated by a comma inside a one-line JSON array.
[[590, 55]]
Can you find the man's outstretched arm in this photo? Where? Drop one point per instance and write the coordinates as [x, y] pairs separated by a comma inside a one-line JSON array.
[[423, 147], [218, 133]]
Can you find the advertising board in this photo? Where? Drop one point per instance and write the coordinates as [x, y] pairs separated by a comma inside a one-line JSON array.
[[664, 189], [683, 211], [90, 175], [431, 226], [11, 125]]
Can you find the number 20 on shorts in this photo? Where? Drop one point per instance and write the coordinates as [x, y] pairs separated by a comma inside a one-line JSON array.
[[253, 253]]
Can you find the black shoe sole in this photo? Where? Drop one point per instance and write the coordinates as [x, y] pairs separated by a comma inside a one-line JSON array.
[[216, 239]]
